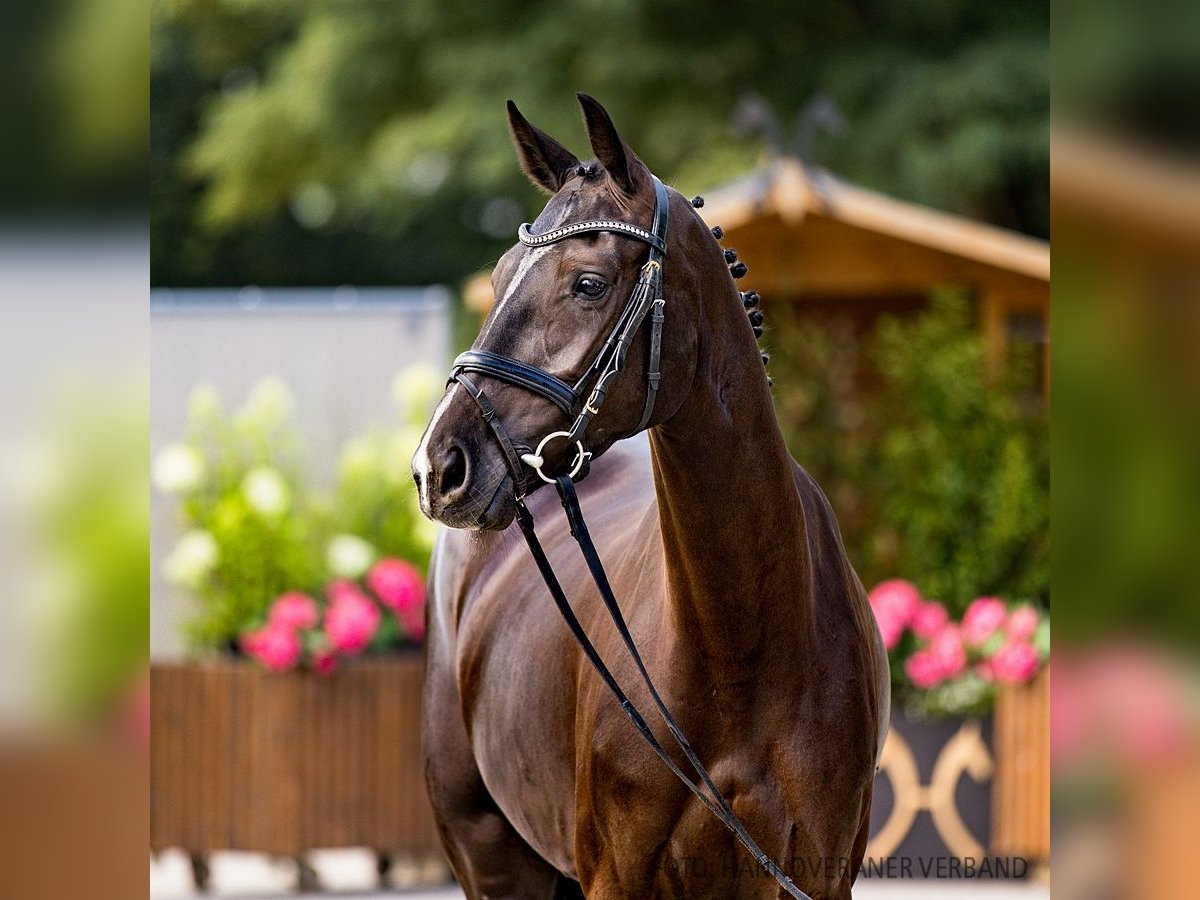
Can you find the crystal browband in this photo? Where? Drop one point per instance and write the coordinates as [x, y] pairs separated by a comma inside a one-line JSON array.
[[530, 239]]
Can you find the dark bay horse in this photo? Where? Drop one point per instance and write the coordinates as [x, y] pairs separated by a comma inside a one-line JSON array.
[[724, 554]]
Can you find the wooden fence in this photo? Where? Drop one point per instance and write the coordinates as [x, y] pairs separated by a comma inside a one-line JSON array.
[[284, 763], [243, 759]]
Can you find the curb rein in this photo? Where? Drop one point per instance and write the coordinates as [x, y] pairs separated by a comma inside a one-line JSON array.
[[646, 298]]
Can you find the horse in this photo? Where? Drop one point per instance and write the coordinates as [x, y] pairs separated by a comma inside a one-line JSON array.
[[724, 553]]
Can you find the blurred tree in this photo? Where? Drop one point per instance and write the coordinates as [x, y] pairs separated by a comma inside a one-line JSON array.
[[307, 142], [73, 111]]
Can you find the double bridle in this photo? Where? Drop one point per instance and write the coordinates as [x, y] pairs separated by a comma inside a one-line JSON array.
[[646, 298]]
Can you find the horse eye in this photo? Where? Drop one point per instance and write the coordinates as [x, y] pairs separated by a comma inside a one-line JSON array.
[[590, 286]]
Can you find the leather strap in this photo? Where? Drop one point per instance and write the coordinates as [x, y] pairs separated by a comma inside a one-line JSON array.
[[653, 375], [539, 381], [612, 356], [716, 803], [511, 457], [646, 298]]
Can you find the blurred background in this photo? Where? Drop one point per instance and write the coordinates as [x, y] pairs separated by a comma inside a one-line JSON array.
[[329, 184]]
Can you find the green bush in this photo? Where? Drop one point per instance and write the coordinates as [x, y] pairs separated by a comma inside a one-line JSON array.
[[937, 475]]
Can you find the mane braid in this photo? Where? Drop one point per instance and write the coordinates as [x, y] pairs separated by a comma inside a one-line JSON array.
[[750, 299]]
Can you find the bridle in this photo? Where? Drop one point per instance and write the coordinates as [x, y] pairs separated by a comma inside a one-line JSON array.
[[645, 299], [576, 401]]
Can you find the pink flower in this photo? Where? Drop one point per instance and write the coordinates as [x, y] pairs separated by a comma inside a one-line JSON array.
[[899, 598], [929, 619], [1015, 663], [1157, 730], [1142, 700], [893, 602], [890, 630], [1022, 623], [984, 617], [325, 662], [351, 619], [397, 584], [275, 647], [984, 670], [294, 611], [341, 587], [137, 713], [413, 621], [947, 650], [923, 669]]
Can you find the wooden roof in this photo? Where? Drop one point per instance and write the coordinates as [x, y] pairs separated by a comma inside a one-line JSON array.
[[793, 192], [804, 232], [1147, 202]]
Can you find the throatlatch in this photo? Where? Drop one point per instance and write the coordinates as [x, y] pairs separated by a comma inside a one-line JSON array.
[[646, 299]]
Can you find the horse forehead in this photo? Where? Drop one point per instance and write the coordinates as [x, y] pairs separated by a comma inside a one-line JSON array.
[[579, 200], [515, 265], [566, 203]]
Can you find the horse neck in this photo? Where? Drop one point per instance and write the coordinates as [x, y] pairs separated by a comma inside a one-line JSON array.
[[733, 526]]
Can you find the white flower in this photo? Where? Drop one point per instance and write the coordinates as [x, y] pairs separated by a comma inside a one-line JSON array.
[[178, 469], [416, 388], [204, 404], [266, 492], [269, 404], [349, 556], [190, 562]]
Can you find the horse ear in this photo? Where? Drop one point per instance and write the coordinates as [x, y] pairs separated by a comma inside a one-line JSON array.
[[621, 163], [546, 162]]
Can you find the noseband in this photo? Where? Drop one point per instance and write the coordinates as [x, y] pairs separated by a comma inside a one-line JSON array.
[[646, 298]]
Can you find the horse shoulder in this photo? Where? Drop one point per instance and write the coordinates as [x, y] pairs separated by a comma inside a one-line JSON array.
[[839, 580]]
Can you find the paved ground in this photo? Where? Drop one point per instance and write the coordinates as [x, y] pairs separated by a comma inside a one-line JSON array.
[[350, 875]]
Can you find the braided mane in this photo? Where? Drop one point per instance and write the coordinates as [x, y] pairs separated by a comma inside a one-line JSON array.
[[750, 299]]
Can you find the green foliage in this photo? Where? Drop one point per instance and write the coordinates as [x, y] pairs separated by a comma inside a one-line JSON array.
[[255, 528], [964, 473], [82, 566], [966, 696], [830, 417], [1127, 438], [358, 127], [937, 476]]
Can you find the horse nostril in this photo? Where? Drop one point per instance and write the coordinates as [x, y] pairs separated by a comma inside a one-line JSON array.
[[454, 471]]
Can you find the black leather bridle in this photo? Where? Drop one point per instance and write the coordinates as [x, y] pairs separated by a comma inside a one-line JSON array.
[[646, 298]]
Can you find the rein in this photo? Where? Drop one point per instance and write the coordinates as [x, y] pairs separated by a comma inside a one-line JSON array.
[[646, 298]]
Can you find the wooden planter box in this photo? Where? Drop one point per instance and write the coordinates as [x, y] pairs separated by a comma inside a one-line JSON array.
[[932, 800], [962, 789], [1021, 790], [243, 759]]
